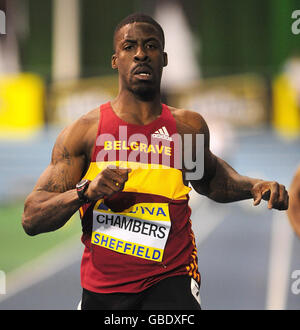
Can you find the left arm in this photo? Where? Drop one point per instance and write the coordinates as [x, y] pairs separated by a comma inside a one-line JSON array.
[[223, 184]]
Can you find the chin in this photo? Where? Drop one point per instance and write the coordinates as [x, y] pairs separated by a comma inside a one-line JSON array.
[[145, 93]]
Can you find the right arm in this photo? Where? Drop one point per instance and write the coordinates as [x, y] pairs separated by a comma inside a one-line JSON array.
[[54, 198], [294, 207]]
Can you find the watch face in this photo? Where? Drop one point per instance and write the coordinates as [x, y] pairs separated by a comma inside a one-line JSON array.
[[81, 187], [81, 184]]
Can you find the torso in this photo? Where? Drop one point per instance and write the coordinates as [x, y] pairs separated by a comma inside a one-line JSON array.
[[148, 196]]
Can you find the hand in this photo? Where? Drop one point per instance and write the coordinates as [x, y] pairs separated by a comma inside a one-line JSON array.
[[273, 192], [107, 183]]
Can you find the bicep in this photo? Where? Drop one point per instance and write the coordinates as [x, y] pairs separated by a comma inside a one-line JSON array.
[[58, 178], [65, 170]]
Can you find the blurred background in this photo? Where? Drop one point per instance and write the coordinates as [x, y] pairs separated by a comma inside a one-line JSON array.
[[235, 62]]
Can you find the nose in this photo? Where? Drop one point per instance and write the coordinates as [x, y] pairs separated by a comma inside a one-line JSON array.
[[141, 55]]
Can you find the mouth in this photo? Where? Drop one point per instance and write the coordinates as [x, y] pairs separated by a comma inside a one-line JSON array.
[[143, 73]]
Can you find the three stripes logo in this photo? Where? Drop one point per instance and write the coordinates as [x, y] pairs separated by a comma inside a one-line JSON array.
[[162, 133]]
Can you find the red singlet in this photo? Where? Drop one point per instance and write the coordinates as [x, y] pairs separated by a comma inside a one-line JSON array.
[[143, 234]]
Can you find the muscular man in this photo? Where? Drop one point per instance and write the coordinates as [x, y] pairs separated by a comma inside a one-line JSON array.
[[294, 208], [140, 250]]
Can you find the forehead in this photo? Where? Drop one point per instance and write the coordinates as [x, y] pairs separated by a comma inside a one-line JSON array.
[[137, 30]]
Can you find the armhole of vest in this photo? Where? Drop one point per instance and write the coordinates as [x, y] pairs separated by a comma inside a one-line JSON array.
[[168, 114], [98, 133], [167, 111]]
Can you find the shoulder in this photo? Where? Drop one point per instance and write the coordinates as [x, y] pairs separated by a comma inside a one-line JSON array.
[[87, 120], [189, 121], [79, 136], [83, 126]]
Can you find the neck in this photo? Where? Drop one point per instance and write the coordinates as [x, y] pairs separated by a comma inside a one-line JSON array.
[[134, 110]]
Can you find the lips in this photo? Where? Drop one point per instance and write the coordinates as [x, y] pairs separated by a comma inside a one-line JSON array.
[[143, 72]]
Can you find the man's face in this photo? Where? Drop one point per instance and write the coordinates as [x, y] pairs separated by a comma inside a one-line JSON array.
[[139, 58]]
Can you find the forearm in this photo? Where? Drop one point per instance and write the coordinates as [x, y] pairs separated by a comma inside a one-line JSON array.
[[46, 211], [226, 185]]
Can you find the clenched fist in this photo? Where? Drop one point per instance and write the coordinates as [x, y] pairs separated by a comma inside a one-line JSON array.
[[273, 192], [108, 182]]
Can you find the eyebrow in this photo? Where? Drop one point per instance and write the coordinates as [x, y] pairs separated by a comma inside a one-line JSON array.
[[146, 40], [152, 39], [129, 40]]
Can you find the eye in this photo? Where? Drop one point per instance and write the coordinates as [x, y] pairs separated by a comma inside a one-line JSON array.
[[128, 47], [151, 46]]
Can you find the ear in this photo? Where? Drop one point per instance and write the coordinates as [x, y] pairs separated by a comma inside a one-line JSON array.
[[165, 59], [114, 62]]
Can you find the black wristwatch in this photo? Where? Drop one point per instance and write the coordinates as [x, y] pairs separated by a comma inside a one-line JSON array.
[[81, 188]]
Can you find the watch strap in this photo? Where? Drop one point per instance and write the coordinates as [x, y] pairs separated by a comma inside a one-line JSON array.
[[81, 188]]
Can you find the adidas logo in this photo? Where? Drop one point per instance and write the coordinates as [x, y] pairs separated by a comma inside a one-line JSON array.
[[162, 133]]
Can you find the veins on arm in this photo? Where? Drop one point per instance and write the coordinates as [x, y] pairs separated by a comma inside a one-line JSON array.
[[57, 183]]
